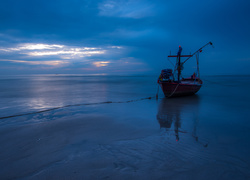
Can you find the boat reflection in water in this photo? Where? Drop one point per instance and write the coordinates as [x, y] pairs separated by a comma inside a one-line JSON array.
[[172, 113]]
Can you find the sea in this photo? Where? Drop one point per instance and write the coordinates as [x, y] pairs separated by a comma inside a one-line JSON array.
[[113, 127]]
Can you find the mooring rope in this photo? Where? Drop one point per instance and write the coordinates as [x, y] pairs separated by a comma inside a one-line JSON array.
[[73, 105], [173, 91]]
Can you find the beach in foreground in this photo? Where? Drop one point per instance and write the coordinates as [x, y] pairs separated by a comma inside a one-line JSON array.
[[92, 127]]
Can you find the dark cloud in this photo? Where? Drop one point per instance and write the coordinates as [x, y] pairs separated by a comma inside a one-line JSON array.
[[146, 31]]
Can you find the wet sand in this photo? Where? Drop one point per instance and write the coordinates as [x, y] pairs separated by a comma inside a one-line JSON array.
[[109, 142], [196, 137]]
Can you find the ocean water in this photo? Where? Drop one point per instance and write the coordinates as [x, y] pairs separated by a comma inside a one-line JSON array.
[[113, 127], [22, 94]]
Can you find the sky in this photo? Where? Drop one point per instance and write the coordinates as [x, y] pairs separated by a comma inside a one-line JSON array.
[[127, 37]]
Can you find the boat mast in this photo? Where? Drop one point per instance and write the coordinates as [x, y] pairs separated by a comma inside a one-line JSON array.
[[179, 63]]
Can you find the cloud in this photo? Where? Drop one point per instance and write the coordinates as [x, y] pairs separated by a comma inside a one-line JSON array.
[[60, 55], [122, 65], [101, 63], [72, 53], [126, 8], [49, 63], [130, 34], [87, 33], [62, 51]]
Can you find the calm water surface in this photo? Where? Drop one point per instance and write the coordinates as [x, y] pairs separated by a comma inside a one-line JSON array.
[[205, 136], [38, 92]]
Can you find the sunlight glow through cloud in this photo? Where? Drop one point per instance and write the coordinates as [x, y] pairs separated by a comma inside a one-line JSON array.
[[50, 63], [65, 52], [54, 50], [101, 63], [27, 46], [40, 46], [58, 55]]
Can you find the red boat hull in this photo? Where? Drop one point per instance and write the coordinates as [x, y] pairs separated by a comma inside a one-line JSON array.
[[184, 88]]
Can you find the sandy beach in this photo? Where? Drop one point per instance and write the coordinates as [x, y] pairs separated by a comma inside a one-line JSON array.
[[198, 137]]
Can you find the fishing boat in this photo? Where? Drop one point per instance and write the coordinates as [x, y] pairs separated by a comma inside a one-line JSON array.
[[173, 84]]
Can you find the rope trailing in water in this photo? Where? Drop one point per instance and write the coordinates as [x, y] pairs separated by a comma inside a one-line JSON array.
[[86, 104]]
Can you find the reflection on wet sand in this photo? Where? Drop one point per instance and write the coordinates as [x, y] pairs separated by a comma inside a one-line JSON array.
[[172, 112]]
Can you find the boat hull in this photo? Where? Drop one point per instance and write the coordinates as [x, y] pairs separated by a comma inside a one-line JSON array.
[[173, 89]]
